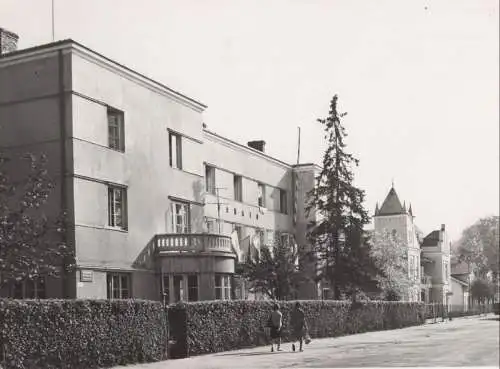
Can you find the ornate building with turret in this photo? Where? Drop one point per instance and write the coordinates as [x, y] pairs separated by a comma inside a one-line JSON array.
[[428, 257]]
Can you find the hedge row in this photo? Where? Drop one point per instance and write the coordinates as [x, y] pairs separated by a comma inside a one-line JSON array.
[[80, 333], [435, 311], [207, 327]]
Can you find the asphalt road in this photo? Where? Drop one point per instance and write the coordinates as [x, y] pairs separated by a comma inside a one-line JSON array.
[[461, 342]]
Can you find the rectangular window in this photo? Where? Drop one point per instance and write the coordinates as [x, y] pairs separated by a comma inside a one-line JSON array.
[[261, 190], [239, 232], [283, 202], [118, 285], [226, 280], [29, 289], [178, 288], [166, 289], [116, 131], [222, 287], [193, 288], [210, 179], [175, 146], [212, 226], [238, 189], [218, 287], [269, 237], [180, 217], [325, 293], [284, 239], [117, 207]]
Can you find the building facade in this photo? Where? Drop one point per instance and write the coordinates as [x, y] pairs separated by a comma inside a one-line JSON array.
[[428, 257], [459, 300], [160, 207], [436, 249], [395, 218]]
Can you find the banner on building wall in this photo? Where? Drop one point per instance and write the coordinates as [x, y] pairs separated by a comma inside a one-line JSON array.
[[236, 245], [256, 245], [245, 248]]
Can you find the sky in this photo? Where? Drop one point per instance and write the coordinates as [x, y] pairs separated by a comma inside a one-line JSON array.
[[418, 79]]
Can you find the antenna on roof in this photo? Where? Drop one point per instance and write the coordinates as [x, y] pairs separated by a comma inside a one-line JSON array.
[[392, 182], [298, 149], [53, 23]]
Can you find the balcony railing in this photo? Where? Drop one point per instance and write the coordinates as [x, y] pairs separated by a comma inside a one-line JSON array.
[[193, 242]]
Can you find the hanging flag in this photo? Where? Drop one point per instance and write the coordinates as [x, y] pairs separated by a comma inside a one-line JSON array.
[[256, 245], [236, 245]]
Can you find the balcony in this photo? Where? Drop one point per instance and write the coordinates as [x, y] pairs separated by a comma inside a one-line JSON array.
[[193, 243]]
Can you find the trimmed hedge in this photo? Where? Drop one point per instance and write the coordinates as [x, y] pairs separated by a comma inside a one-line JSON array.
[[206, 327], [80, 333], [440, 311]]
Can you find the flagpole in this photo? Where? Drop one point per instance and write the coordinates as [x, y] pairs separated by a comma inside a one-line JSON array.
[[298, 148], [53, 23]]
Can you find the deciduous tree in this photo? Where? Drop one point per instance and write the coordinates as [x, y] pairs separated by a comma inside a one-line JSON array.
[[275, 271], [479, 244], [391, 257], [482, 290], [31, 243]]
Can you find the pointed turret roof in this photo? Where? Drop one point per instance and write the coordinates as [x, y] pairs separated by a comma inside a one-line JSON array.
[[376, 209], [391, 205]]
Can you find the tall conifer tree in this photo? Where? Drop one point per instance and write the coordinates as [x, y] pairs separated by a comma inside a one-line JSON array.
[[338, 238]]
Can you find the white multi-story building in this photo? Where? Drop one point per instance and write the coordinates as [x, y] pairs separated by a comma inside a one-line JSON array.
[[153, 196]]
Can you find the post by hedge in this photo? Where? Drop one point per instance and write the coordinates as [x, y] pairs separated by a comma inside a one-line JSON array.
[[80, 333], [208, 327]]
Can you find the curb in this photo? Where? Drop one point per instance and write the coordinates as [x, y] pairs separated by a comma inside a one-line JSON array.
[[447, 319]]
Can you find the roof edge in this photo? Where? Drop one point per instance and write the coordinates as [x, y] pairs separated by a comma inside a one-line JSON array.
[[73, 43], [247, 148], [459, 280]]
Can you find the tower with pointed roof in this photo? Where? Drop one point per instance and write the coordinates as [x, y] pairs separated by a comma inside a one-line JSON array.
[[394, 217]]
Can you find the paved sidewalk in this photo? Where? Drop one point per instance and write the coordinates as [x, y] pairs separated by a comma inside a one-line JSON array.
[[461, 342]]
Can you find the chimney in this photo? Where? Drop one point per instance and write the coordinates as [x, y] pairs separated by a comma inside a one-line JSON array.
[[257, 145], [8, 41], [441, 233]]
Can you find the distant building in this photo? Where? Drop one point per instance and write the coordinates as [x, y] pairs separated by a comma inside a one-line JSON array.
[[160, 206], [428, 257], [395, 218], [436, 248], [460, 294]]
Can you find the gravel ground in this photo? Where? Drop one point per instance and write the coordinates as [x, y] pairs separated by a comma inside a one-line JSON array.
[[461, 342]]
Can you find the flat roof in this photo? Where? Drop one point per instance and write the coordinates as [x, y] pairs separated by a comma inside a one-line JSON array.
[[70, 42], [246, 147], [258, 152]]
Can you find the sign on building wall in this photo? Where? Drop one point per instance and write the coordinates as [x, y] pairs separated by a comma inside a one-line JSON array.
[[86, 275]]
